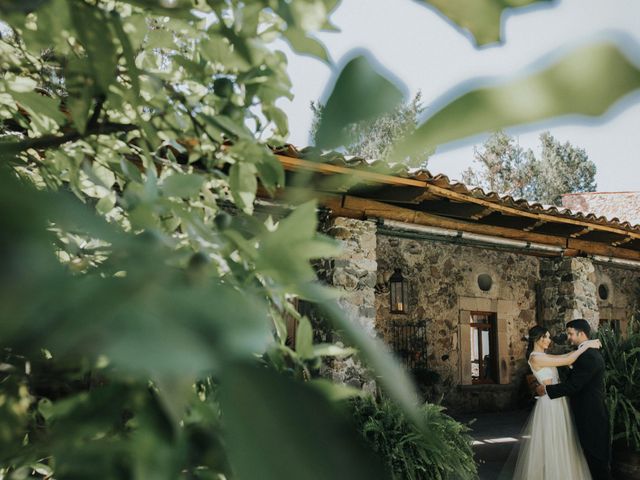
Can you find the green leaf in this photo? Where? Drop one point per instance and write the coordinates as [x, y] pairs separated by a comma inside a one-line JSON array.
[[587, 82], [228, 127], [303, 43], [482, 18], [79, 99], [161, 39], [278, 117], [219, 50], [106, 203], [243, 184], [40, 106], [285, 253], [360, 93], [304, 338], [93, 31], [376, 355], [275, 428], [270, 171], [182, 185]]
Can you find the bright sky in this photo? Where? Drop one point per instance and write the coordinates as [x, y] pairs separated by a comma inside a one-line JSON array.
[[424, 52]]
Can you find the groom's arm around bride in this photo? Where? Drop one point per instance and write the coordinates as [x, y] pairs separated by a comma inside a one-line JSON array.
[[585, 389]]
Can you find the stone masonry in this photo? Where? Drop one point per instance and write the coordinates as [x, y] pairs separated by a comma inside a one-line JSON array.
[[568, 290], [444, 289], [354, 274]]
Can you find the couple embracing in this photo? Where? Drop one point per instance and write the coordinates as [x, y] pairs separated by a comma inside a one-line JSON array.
[[566, 439]]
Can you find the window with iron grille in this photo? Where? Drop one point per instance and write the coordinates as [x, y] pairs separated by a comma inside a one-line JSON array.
[[409, 342]]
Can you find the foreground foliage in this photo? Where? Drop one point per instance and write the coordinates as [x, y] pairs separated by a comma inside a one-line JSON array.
[[144, 290]]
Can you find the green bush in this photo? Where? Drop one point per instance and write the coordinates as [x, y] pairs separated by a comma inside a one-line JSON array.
[[444, 453], [622, 380]]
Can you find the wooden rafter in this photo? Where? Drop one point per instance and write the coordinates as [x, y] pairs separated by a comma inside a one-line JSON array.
[[537, 224], [484, 213], [622, 242], [582, 232]]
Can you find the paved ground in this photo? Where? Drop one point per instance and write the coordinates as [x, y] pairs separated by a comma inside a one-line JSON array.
[[495, 436]]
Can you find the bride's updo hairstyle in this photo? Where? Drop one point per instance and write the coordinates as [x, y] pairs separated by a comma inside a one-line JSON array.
[[535, 334]]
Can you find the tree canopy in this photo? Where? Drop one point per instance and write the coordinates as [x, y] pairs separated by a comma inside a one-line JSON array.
[[506, 168]]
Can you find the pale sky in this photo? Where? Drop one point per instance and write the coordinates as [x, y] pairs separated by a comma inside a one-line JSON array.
[[424, 52]]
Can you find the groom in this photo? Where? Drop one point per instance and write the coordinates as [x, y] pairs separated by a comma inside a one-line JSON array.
[[585, 388]]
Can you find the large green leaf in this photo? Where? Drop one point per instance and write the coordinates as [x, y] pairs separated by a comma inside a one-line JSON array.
[[302, 43], [587, 82], [243, 183], [279, 429], [360, 93], [182, 185], [285, 252], [376, 355], [482, 18]]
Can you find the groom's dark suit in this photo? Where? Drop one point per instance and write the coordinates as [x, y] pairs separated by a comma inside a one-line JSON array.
[[585, 388]]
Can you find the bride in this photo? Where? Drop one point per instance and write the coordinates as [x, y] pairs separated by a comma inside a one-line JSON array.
[[550, 448]]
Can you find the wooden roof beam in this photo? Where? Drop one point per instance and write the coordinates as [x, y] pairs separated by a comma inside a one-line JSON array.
[[361, 208], [290, 163]]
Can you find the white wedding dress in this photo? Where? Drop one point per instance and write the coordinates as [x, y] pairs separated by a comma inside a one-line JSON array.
[[550, 448]]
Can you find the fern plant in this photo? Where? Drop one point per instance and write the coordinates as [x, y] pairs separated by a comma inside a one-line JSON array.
[[440, 451]]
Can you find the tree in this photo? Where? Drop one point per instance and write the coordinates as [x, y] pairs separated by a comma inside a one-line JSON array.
[[508, 169], [374, 139]]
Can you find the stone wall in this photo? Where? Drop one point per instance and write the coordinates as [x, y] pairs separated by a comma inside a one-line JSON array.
[[443, 289], [621, 287], [354, 274], [568, 291]]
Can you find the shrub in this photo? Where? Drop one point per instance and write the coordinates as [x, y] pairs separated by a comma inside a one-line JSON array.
[[622, 383], [442, 450]]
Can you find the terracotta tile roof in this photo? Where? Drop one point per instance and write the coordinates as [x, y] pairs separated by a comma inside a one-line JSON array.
[[605, 217]]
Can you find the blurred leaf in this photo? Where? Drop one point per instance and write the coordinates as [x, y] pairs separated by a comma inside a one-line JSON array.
[[304, 338], [360, 93], [285, 253], [331, 350], [275, 426], [270, 171], [482, 18], [93, 31], [243, 183], [302, 43], [376, 355], [182, 185], [587, 82], [218, 49], [40, 106]]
